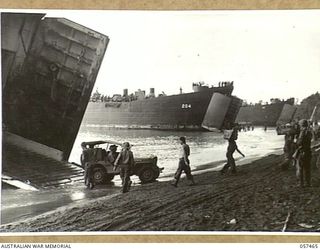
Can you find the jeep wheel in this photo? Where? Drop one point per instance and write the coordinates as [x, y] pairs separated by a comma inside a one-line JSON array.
[[157, 172], [147, 175], [98, 175]]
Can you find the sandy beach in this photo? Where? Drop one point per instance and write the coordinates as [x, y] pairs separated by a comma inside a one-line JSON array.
[[260, 197]]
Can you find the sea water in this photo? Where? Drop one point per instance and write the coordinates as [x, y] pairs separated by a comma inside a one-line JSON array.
[[205, 147]]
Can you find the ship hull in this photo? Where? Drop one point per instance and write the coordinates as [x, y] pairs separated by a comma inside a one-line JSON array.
[[262, 115], [49, 67], [177, 112]]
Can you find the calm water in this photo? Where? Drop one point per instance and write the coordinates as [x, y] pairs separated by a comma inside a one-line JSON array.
[[205, 147]]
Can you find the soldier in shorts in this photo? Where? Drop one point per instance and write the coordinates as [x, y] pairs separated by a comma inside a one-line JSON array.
[[184, 163]]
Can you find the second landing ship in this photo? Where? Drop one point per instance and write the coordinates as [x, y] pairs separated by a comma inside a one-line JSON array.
[[206, 108], [270, 114]]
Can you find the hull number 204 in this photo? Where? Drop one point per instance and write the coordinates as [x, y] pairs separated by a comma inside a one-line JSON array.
[[186, 106]]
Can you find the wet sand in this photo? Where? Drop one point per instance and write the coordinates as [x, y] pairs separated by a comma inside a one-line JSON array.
[[260, 197]]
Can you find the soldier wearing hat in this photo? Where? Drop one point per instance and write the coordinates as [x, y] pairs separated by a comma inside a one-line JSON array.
[[125, 161], [87, 156]]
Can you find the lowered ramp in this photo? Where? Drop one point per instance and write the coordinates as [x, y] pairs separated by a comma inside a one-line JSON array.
[[222, 112]]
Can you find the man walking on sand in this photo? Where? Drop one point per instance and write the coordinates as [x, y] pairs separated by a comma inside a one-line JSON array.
[[184, 163], [232, 146], [125, 161]]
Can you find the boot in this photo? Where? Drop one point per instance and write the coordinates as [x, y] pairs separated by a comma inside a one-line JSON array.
[[192, 182], [175, 184]]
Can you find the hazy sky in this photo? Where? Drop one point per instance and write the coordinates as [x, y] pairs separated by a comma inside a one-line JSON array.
[[266, 53]]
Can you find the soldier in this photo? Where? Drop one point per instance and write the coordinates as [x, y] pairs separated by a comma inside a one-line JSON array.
[[232, 146], [184, 163], [126, 161], [112, 154], [304, 155], [289, 146], [316, 131], [87, 156]]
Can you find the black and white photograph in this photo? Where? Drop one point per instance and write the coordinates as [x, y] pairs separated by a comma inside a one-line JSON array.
[[160, 121]]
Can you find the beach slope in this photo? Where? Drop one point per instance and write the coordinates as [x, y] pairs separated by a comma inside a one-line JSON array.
[[260, 197]]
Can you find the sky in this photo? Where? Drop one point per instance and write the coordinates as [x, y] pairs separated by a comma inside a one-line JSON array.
[[268, 54]]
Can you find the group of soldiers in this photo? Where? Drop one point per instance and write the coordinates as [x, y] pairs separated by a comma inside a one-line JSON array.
[[184, 163], [123, 160], [297, 149]]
